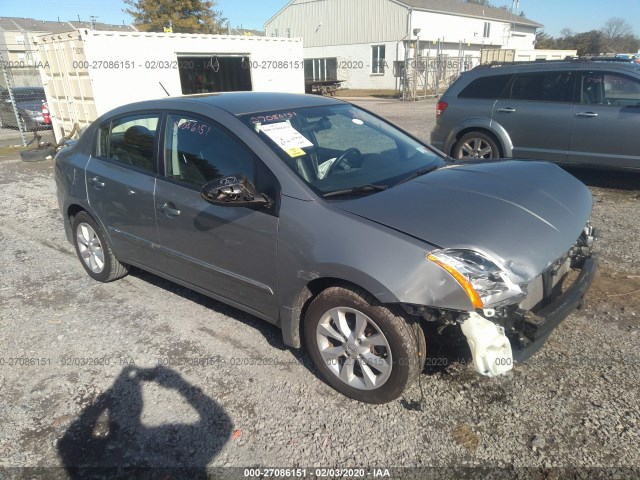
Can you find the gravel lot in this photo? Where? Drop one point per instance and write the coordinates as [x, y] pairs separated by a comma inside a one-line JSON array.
[[141, 372]]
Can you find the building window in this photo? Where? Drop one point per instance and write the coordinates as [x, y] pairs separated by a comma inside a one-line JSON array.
[[317, 69], [487, 30], [377, 59], [20, 39]]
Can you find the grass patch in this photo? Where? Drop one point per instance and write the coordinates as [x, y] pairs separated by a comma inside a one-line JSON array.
[[10, 151]]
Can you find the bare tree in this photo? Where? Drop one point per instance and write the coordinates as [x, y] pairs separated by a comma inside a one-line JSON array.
[[618, 36], [566, 32], [616, 27]]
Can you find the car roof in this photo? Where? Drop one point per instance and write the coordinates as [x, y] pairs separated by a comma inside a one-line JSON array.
[[239, 103], [554, 65]]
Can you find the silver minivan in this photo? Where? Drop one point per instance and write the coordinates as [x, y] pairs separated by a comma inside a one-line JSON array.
[[575, 112]]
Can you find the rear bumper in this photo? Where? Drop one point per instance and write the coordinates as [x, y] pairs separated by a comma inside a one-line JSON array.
[[538, 326]]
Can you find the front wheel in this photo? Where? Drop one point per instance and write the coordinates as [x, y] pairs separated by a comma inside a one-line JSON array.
[[476, 146], [94, 251], [361, 348]]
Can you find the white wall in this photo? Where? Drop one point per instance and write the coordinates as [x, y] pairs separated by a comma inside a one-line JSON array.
[[78, 94], [453, 29], [141, 83], [358, 57]]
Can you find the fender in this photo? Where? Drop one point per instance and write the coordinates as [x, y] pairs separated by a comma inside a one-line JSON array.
[[480, 123]]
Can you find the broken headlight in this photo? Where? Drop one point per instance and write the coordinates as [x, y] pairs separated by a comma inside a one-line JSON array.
[[486, 284]]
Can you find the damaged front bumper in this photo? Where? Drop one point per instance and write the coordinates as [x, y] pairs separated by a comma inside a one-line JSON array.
[[534, 328], [515, 335]]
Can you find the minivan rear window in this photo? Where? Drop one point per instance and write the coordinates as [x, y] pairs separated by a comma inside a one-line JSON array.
[[486, 87]]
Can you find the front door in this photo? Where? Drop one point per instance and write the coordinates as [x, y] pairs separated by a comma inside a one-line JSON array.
[[606, 122], [228, 251]]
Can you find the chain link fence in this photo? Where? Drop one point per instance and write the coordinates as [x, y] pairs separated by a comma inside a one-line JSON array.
[[24, 114], [430, 75]]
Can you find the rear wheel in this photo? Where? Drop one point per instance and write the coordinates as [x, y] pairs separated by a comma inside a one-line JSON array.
[[476, 146], [364, 350], [94, 251]]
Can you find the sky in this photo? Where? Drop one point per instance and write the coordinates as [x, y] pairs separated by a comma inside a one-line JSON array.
[[578, 15]]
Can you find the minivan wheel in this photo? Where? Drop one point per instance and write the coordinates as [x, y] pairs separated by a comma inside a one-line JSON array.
[[475, 146], [361, 348], [94, 251]]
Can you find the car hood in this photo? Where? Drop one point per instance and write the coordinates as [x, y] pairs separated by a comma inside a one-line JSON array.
[[522, 214]]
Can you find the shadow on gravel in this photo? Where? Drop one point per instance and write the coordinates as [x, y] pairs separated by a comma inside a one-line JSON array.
[[270, 332], [606, 178], [109, 440]]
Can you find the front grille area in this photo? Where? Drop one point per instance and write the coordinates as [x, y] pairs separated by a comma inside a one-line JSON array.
[[542, 287]]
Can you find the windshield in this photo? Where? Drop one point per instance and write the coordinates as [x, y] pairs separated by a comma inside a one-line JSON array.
[[341, 147]]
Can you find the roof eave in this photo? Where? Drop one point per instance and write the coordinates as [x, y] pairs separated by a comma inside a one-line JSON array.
[[527, 22]]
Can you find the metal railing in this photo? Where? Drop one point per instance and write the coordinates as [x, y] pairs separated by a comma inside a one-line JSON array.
[[24, 117]]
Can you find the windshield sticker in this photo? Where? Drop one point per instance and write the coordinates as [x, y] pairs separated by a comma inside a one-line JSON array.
[[295, 152], [422, 150], [357, 121], [273, 117], [287, 138]]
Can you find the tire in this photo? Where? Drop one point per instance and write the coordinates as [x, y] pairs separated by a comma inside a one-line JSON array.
[[37, 155], [375, 373], [94, 251], [476, 146]]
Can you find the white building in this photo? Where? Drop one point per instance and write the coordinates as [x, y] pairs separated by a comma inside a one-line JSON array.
[[360, 41]]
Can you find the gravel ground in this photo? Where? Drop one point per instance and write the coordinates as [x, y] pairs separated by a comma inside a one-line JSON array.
[[141, 372]]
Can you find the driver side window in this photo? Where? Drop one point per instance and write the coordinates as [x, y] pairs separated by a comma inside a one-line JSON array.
[[600, 88], [197, 151]]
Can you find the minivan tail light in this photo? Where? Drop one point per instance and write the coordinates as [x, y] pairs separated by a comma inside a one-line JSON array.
[[441, 107]]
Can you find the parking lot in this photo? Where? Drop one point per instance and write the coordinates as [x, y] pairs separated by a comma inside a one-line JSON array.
[[141, 372]]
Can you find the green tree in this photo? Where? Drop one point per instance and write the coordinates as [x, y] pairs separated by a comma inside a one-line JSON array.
[[587, 43], [183, 16], [544, 41]]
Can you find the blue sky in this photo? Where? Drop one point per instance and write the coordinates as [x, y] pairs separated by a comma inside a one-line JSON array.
[[579, 15]]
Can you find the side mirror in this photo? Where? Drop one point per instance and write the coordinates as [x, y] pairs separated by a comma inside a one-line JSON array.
[[234, 191]]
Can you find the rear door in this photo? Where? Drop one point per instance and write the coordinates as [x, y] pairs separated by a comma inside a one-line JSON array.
[[537, 114], [227, 251], [120, 185], [606, 120]]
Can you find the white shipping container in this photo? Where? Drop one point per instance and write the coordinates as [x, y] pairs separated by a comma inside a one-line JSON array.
[[87, 73]]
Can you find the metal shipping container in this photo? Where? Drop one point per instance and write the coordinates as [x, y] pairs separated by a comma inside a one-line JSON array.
[[87, 73]]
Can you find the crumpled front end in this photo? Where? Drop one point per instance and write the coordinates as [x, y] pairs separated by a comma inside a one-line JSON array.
[[511, 322]]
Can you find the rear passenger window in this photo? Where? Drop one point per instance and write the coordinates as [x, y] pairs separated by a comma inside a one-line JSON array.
[[486, 87], [197, 151], [543, 87], [130, 141]]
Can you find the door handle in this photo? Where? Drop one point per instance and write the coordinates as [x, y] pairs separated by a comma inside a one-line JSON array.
[[506, 110], [167, 210], [587, 114], [96, 182]]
